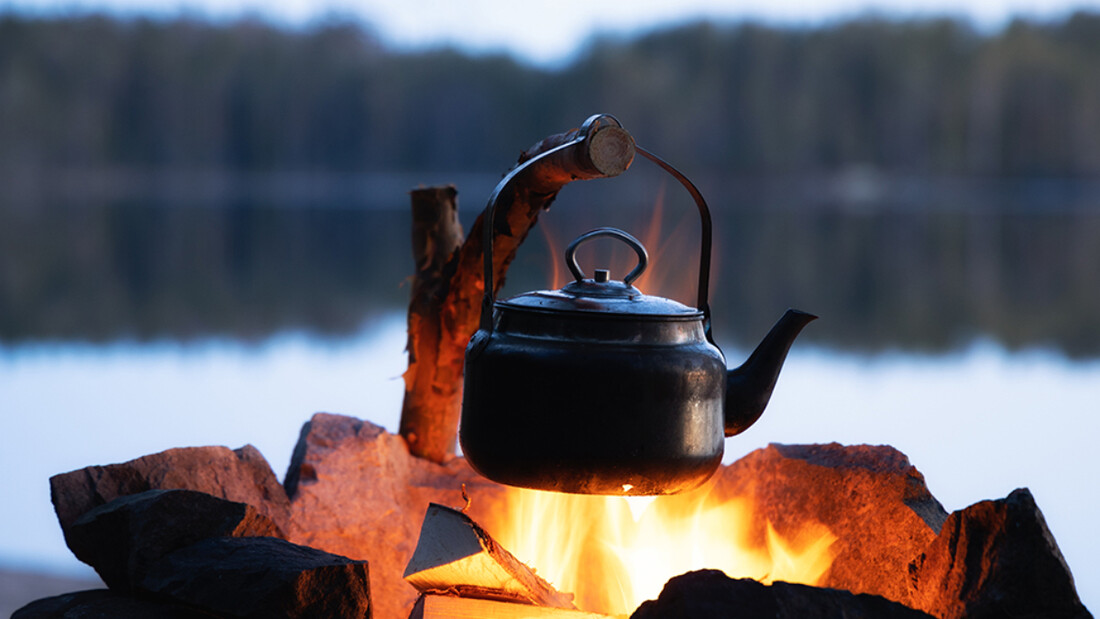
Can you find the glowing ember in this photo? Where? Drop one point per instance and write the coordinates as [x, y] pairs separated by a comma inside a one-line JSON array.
[[614, 553]]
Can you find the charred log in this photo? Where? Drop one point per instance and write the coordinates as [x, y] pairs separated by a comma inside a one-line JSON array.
[[710, 593]]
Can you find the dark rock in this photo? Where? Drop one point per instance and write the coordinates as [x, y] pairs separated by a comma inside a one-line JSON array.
[[241, 475], [996, 559], [19, 588], [104, 604], [870, 497], [357, 492], [710, 593], [122, 538], [261, 577]]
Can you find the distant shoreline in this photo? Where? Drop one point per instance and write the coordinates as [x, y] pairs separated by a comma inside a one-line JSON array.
[[857, 187]]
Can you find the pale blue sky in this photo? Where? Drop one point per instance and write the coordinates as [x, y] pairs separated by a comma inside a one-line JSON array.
[[548, 31]]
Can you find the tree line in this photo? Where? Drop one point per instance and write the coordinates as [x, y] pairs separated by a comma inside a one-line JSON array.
[[932, 96], [917, 184]]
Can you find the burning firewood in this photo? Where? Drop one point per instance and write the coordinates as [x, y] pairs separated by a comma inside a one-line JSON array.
[[456, 556], [448, 288], [450, 607]]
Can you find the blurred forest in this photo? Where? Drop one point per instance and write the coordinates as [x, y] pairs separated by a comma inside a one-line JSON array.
[[919, 183]]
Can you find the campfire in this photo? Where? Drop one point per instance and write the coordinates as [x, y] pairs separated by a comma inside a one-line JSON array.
[[613, 553], [372, 524]]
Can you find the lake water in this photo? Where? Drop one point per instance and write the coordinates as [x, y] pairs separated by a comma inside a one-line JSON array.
[[977, 423]]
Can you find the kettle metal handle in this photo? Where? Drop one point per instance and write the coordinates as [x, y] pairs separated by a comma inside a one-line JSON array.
[[705, 234], [588, 128], [625, 237]]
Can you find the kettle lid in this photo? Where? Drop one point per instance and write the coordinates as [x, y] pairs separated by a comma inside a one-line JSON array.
[[600, 295]]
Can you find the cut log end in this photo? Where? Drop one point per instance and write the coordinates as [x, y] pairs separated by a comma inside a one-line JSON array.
[[611, 151]]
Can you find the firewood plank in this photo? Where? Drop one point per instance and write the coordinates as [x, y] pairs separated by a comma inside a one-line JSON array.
[[456, 555], [452, 607]]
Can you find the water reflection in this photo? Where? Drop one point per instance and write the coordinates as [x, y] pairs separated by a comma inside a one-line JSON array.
[[885, 276]]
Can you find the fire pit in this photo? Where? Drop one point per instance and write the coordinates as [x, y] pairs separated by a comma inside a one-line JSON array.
[[856, 521], [368, 523]]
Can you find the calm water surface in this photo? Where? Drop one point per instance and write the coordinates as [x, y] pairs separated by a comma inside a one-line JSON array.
[[978, 423]]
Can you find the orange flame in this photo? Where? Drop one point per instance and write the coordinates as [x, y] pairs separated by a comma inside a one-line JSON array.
[[614, 553], [554, 247], [672, 253]]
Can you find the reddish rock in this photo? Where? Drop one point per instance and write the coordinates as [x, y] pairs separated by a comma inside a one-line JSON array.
[[996, 559], [260, 578], [870, 497], [124, 537], [710, 593], [241, 475], [356, 491]]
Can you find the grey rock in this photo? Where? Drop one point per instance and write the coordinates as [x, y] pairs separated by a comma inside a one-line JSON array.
[[993, 560], [358, 492], [241, 475], [261, 577], [122, 538]]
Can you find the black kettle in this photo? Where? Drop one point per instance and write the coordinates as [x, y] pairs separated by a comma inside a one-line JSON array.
[[597, 388]]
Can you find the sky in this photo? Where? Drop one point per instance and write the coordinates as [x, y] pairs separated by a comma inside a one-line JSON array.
[[549, 32]]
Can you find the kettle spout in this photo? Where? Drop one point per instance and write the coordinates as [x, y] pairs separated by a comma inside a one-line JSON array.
[[749, 387]]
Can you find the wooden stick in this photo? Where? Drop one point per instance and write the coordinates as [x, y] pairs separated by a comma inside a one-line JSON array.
[[452, 607], [436, 236], [457, 556], [445, 315]]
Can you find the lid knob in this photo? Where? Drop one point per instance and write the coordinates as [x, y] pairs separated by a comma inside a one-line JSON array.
[[575, 269], [601, 276]]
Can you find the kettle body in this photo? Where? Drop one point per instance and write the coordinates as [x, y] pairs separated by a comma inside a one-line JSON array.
[[597, 388], [595, 402]]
